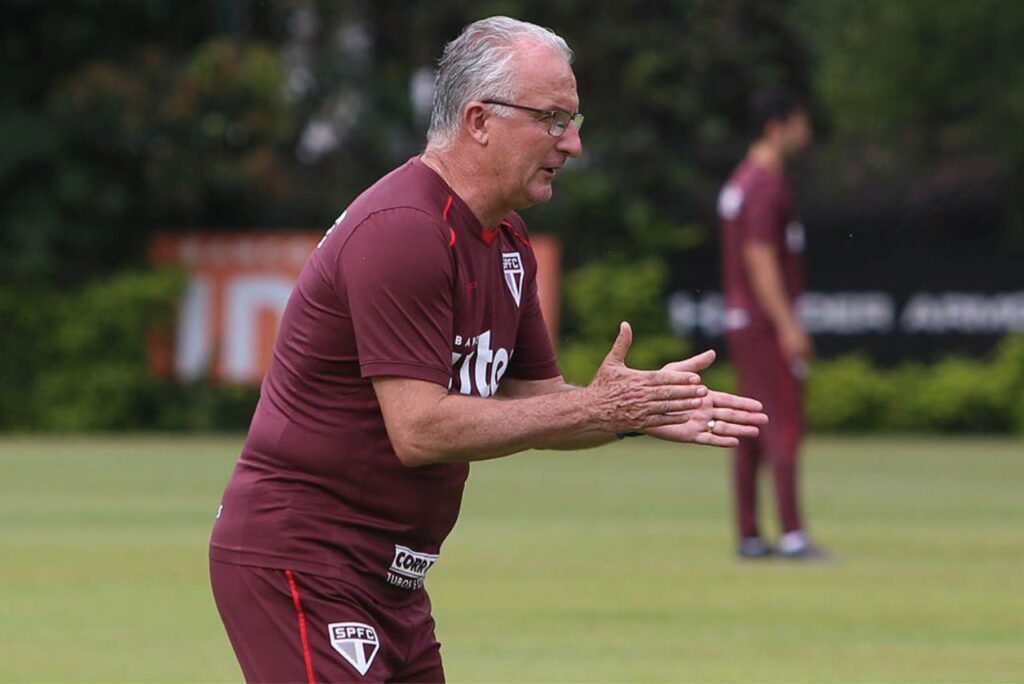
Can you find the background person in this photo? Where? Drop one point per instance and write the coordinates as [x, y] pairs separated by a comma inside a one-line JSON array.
[[762, 245]]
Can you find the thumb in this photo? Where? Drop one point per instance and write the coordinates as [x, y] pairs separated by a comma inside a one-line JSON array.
[[621, 345]]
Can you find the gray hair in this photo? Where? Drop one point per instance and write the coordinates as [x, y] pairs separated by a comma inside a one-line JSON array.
[[480, 65]]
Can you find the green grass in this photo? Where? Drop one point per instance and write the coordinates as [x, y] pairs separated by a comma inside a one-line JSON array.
[[610, 565]]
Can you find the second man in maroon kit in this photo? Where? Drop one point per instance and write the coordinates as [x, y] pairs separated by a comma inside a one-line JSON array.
[[412, 344]]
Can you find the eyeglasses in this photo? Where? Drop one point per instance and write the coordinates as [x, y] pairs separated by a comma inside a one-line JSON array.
[[559, 119]]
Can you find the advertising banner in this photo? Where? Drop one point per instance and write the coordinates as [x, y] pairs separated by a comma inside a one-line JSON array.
[[239, 284], [894, 300]]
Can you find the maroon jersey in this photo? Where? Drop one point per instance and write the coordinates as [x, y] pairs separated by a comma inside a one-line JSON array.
[[406, 283], [756, 204]]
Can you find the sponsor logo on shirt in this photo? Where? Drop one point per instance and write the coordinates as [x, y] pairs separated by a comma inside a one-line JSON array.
[[513, 265], [357, 643], [482, 368], [408, 568]]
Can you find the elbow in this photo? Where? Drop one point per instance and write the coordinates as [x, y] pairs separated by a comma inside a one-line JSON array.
[[415, 453]]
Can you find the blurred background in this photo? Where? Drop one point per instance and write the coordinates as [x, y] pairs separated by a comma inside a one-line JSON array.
[[155, 153], [166, 167]]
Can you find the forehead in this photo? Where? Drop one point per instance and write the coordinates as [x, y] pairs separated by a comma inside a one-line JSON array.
[[545, 78]]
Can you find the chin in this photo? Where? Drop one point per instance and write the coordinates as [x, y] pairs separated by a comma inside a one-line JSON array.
[[539, 195]]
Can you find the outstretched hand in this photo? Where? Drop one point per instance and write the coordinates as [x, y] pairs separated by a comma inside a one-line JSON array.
[[721, 420], [622, 399]]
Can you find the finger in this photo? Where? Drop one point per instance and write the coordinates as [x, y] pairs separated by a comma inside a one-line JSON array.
[[665, 377], [673, 392], [710, 439], [726, 429], [734, 401], [676, 406], [694, 363], [739, 417], [663, 419], [621, 345]]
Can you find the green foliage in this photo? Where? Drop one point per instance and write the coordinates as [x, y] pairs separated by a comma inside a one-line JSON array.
[[25, 346], [843, 394], [118, 149], [87, 366], [956, 394], [604, 293], [97, 371], [915, 72]]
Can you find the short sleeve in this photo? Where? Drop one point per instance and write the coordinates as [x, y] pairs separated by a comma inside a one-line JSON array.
[[534, 356], [760, 216], [397, 272]]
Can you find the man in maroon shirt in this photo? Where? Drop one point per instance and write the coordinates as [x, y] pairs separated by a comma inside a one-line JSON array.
[[412, 344], [762, 266]]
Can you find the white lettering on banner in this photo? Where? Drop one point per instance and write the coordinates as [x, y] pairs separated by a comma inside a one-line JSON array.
[[963, 312], [687, 314], [866, 313], [796, 237], [483, 367], [847, 313], [192, 353], [244, 298]]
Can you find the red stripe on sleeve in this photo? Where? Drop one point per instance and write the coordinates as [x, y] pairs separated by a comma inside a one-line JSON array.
[[303, 636]]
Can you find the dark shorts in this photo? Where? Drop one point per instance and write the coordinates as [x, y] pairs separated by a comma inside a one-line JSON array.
[[288, 626], [765, 375]]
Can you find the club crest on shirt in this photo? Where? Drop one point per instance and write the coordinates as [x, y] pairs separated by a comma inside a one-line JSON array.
[[357, 643], [513, 265]]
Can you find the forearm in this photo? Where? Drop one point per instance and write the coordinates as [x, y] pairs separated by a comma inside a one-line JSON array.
[[462, 428], [570, 442], [770, 291], [428, 425]]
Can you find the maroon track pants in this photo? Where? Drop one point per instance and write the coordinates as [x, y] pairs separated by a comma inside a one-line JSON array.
[[765, 375]]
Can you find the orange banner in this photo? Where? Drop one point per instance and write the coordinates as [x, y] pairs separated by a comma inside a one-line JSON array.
[[239, 284]]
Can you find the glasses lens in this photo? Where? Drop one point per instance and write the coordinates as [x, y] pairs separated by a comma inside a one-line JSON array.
[[559, 122]]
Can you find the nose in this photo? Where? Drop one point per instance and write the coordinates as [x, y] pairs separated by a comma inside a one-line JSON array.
[[570, 142]]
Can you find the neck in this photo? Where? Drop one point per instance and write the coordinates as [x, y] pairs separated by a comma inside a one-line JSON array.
[[767, 155], [465, 179]]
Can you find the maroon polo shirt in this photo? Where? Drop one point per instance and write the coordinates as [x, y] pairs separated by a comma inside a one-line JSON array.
[[406, 283], [757, 204]]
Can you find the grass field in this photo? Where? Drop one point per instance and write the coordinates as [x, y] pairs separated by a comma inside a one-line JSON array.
[[612, 565]]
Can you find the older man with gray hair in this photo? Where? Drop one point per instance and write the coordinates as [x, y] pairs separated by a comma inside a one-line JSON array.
[[412, 344]]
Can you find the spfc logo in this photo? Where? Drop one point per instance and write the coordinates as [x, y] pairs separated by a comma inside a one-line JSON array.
[[357, 643], [513, 265]]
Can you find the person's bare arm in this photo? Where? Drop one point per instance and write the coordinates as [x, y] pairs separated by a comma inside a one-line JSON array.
[[761, 260], [428, 425]]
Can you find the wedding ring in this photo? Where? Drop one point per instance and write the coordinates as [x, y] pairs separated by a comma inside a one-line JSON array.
[[711, 426]]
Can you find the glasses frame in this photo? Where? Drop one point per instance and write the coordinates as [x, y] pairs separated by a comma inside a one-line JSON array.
[[556, 116]]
